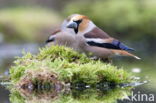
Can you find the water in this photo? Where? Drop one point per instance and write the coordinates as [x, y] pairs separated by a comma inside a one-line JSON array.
[[4, 95], [143, 70], [68, 94]]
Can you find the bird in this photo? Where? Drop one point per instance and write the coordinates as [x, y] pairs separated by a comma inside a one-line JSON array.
[[81, 25], [78, 24], [78, 43]]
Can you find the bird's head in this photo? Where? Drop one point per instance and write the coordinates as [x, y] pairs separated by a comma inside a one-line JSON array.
[[77, 22]]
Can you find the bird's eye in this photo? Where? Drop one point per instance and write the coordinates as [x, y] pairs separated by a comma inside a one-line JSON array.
[[78, 21]]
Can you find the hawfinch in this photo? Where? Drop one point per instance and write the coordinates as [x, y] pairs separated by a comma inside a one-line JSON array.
[[81, 25], [78, 43]]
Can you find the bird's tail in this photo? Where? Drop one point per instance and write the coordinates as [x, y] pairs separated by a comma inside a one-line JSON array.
[[124, 53]]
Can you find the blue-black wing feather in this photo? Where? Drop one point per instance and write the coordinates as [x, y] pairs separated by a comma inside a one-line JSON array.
[[115, 44]]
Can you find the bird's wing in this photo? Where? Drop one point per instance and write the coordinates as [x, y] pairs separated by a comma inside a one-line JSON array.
[[51, 38], [99, 38], [96, 33], [56, 31]]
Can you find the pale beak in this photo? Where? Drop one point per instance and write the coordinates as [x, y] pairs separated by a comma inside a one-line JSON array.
[[72, 25]]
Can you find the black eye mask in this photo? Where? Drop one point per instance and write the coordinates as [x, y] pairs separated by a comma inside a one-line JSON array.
[[77, 22]]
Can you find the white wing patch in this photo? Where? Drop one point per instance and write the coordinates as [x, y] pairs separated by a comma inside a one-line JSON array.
[[52, 36], [96, 40]]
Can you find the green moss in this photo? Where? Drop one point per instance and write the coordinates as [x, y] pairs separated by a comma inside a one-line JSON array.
[[62, 53], [69, 67], [15, 97], [58, 65]]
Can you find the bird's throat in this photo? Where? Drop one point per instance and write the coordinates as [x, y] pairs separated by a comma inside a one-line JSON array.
[[76, 30]]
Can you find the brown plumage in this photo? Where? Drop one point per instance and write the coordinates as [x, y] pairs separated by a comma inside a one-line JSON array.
[[82, 25], [102, 53], [78, 43], [97, 33], [81, 34], [61, 38]]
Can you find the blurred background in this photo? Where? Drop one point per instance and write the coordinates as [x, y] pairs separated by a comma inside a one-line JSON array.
[[26, 24]]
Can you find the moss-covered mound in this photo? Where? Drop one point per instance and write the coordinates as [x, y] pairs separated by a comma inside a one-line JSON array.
[[63, 65]]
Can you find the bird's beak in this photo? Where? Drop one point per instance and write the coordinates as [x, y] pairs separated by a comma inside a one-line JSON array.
[[72, 25]]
